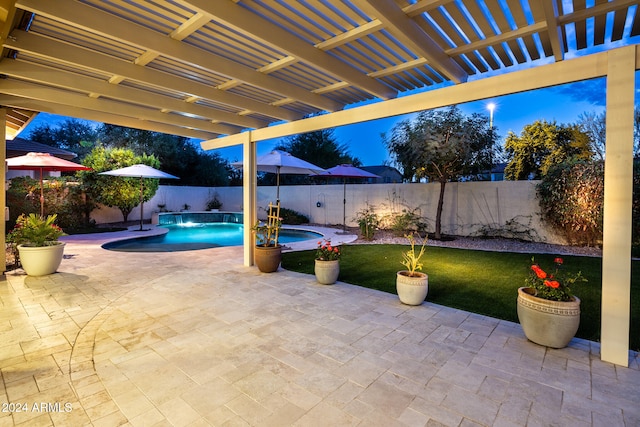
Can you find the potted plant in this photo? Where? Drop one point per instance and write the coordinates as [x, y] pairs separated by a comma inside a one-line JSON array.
[[327, 262], [548, 311], [268, 253], [214, 204], [36, 238], [412, 285]]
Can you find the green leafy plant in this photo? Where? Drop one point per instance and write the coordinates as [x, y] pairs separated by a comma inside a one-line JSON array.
[[571, 197], [410, 259], [35, 231], [291, 217], [267, 235], [404, 222], [326, 252], [554, 286], [368, 222]]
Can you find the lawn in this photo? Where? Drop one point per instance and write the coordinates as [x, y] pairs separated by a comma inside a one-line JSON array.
[[477, 281]]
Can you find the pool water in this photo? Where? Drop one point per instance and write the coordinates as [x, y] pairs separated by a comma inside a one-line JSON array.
[[187, 237]]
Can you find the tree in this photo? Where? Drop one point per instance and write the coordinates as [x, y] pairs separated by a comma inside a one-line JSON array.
[[595, 126], [442, 146], [121, 192], [177, 154], [319, 147], [542, 145], [73, 135]]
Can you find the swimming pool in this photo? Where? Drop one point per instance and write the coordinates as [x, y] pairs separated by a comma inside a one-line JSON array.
[[192, 236]]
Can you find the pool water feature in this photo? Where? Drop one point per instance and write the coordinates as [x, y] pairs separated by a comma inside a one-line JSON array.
[[187, 235]]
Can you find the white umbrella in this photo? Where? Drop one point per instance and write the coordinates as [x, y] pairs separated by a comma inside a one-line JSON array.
[[282, 162], [140, 171], [344, 172]]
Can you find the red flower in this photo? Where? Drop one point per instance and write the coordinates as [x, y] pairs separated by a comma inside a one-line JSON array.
[[558, 260], [552, 284], [336, 250], [539, 272]]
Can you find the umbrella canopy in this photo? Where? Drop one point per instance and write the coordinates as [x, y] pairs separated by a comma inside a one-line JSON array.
[[43, 162], [344, 172], [140, 171], [278, 162]]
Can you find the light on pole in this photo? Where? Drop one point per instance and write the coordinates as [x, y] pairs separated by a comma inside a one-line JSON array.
[[491, 107]]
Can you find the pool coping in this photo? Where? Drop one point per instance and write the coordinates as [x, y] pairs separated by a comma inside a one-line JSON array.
[[133, 232]]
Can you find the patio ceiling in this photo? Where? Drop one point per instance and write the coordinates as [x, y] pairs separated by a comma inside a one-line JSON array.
[[203, 69]]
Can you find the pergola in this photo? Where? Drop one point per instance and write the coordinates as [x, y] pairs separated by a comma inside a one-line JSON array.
[[231, 72]]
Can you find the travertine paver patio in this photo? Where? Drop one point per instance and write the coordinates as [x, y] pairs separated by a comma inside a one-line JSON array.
[[196, 338]]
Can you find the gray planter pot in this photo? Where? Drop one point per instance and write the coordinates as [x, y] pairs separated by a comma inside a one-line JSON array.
[[545, 322], [412, 290]]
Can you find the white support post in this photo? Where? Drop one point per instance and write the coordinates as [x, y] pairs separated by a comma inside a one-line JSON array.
[[618, 192], [3, 189], [249, 196]]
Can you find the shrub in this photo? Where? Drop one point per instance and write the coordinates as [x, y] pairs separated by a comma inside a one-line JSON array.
[[368, 222], [292, 217], [406, 222], [571, 199], [635, 232], [64, 196]]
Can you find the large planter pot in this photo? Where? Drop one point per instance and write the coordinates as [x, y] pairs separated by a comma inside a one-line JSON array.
[[412, 290], [548, 323], [327, 272], [268, 258], [41, 260]]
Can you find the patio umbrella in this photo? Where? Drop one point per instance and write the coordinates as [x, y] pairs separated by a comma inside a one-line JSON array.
[[43, 162], [282, 162], [344, 172], [140, 171]]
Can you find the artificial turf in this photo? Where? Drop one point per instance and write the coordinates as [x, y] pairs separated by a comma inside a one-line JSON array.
[[481, 282]]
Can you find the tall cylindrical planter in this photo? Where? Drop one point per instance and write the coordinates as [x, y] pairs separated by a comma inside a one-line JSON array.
[[268, 258], [548, 323], [41, 260], [327, 272], [412, 290]]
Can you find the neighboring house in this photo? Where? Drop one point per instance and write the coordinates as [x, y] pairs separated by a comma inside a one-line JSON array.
[[19, 147], [387, 174], [496, 174]]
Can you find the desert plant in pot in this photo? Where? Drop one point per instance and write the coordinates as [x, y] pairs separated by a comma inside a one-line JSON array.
[[327, 262], [36, 238], [548, 311], [412, 285]]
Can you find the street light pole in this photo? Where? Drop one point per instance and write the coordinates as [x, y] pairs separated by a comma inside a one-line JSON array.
[[491, 107]]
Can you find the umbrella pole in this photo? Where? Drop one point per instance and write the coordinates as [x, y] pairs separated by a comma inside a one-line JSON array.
[[344, 205], [141, 201], [41, 196], [278, 185]]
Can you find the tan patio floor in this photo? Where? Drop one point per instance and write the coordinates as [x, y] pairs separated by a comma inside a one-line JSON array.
[[196, 338]]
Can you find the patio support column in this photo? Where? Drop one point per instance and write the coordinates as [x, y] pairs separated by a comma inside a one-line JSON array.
[[618, 191], [249, 196], [3, 189]]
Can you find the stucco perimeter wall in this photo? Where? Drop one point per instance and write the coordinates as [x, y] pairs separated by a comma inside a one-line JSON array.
[[470, 208]]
